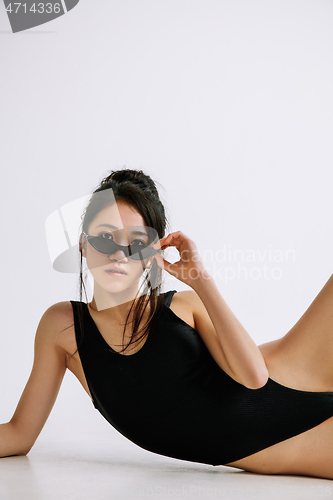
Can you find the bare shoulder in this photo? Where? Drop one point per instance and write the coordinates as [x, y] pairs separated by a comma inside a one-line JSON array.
[[191, 306], [183, 304], [57, 326], [192, 302], [58, 316], [189, 299]]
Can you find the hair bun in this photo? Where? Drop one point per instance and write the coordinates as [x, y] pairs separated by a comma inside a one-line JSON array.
[[128, 176]]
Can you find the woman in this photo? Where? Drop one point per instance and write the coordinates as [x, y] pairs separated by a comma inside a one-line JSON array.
[[176, 372]]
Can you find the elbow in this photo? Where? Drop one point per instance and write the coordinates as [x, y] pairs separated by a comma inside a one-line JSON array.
[[21, 452], [26, 450]]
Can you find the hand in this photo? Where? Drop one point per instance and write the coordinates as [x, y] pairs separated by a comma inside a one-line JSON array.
[[189, 267]]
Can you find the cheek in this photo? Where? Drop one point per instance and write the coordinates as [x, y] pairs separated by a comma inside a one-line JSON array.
[[137, 266], [96, 259]]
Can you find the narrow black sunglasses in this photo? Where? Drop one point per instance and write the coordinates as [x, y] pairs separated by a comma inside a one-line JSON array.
[[135, 252]]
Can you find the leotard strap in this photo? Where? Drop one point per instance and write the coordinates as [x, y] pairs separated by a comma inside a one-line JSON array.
[[168, 297]]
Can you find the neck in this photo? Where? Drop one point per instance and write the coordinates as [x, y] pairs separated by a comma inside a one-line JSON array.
[[116, 304]]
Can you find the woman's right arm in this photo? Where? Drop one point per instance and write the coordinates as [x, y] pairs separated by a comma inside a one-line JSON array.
[[20, 433], [237, 353]]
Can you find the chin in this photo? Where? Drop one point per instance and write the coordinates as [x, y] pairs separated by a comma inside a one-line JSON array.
[[119, 286]]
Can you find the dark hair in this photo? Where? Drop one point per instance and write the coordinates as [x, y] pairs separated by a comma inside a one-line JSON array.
[[137, 189]]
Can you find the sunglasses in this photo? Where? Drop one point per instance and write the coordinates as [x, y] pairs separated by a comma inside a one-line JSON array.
[[135, 252]]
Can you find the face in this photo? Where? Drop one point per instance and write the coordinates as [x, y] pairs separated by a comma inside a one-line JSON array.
[[125, 225]]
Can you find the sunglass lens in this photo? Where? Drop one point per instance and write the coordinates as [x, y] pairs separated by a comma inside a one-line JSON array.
[[139, 252], [102, 245], [135, 252]]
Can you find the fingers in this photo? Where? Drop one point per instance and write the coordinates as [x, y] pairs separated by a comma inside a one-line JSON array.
[[161, 262], [172, 239]]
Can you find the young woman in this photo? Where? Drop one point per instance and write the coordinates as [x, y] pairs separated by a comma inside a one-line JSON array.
[[177, 373]]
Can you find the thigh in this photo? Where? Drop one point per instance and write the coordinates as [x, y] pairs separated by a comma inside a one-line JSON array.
[[303, 358], [309, 454]]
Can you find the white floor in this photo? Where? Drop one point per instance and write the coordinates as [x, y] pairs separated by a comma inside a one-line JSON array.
[[96, 467]]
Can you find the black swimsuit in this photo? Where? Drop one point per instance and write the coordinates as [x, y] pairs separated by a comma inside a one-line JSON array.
[[172, 398]]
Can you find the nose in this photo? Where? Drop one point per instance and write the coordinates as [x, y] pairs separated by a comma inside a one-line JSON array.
[[120, 237], [118, 255]]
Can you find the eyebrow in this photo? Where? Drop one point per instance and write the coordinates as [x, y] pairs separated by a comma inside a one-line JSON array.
[[115, 228]]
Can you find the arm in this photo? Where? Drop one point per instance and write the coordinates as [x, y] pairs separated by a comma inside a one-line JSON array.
[[234, 350], [18, 436], [238, 355]]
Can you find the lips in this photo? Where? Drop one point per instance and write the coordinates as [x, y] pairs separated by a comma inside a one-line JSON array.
[[116, 270]]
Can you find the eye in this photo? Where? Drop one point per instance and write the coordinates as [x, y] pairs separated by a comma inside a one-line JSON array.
[[106, 236], [139, 241]]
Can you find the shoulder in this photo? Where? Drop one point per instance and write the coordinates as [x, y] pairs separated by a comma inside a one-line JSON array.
[[57, 316], [189, 299], [56, 326], [183, 304]]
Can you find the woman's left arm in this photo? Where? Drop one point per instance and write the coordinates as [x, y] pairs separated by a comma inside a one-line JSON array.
[[244, 360]]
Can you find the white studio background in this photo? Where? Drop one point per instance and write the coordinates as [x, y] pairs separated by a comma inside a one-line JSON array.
[[227, 104]]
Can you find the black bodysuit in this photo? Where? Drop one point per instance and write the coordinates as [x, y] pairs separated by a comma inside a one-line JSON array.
[[172, 398]]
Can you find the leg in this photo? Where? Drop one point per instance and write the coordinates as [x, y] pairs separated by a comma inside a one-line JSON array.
[[303, 358], [307, 454]]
